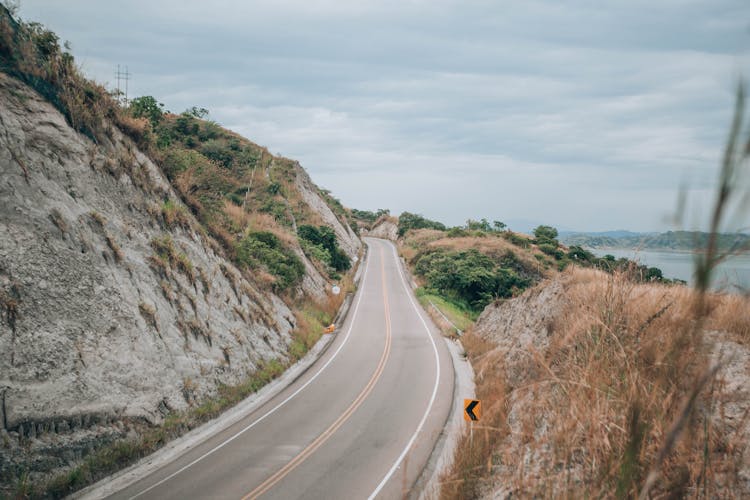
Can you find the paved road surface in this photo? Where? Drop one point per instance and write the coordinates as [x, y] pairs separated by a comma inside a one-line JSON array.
[[360, 423]]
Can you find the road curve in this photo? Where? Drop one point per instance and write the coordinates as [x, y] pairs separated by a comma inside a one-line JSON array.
[[360, 423]]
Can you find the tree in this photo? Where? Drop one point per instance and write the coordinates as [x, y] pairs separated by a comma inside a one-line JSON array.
[[196, 112], [481, 225], [147, 107], [499, 226], [580, 254], [545, 235], [407, 221]]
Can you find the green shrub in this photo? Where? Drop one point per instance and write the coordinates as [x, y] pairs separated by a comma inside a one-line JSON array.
[[517, 239], [324, 239], [407, 221], [218, 151], [469, 276], [264, 249], [545, 234], [147, 107], [552, 250], [457, 232]]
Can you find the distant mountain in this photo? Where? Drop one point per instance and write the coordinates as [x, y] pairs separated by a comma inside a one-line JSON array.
[[671, 240], [618, 233]]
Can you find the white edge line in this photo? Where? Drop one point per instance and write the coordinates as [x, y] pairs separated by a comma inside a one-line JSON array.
[[269, 412], [434, 389]]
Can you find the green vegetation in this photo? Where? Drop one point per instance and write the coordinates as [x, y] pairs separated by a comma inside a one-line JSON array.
[[368, 216], [485, 226], [468, 277], [470, 266], [321, 244], [147, 107], [458, 313], [229, 183], [408, 221], [31, 53], [365, 219], [264, 249]]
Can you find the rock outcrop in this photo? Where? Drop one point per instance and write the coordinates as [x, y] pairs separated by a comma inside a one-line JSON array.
[[386, 228], [111, 313]]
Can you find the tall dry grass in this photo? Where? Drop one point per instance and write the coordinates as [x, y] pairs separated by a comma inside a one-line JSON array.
[[622, 359]]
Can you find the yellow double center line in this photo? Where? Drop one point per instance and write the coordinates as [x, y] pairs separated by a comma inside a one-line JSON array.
[[318, 442]]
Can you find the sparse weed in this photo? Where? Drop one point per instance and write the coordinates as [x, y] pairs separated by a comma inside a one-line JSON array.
[[58, 220], [148, 312], [116, 251]]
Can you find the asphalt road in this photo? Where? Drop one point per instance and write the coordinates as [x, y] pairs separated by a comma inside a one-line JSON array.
[[360, 423]]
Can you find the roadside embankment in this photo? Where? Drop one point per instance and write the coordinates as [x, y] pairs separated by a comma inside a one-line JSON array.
[[581, 379]]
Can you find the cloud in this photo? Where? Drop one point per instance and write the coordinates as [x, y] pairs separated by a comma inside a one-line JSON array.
[[584, 114]]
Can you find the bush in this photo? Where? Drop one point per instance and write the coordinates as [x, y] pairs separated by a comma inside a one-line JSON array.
[[218, 151], [516, 239], [545, 234], [407, 221], [580, 255], [264, 249], [469, 276], [552, 250], [147, 107], [323, 239]]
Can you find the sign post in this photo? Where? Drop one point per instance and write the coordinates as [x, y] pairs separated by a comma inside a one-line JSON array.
[[472, 413]]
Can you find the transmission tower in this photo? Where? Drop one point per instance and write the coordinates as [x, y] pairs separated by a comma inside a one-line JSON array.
[[122, 76]]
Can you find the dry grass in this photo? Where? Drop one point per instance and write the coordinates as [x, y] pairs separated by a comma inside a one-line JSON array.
[[175, 215], [266, 222], [58, 220], [491, 245], [166, 253], [116, 251], [590, 418], [148, 312], [473, 458], [731, 314], [238, 215]]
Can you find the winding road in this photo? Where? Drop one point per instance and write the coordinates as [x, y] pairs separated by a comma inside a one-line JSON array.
[[359, 423]]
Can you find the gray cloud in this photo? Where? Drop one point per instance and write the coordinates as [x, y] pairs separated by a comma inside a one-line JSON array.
[[581, 114]]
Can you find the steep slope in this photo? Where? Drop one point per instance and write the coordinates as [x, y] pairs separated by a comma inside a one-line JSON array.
[[120, 304], [583, 376]]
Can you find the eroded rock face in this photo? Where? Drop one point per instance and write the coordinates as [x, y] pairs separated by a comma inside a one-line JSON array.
[[521, 326], [386, 229], [108, 314]]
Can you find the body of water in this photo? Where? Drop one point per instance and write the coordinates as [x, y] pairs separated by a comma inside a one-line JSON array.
[[731, 275]]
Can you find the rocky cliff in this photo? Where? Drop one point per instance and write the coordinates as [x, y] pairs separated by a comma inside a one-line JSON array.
[[114, 309], [386, 228]]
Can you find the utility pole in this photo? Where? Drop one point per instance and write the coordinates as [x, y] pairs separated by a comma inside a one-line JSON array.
[[122, 76]]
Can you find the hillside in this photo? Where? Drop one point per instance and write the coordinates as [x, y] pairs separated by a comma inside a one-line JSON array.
[[581, 379], [582, 366], [152, 273]]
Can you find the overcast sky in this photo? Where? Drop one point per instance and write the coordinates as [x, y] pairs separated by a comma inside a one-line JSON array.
[[580, 114]]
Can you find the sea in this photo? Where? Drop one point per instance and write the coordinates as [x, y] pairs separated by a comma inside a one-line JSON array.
[[733, 275]]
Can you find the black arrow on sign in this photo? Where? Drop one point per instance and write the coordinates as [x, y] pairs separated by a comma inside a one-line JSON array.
[[470, 409]]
